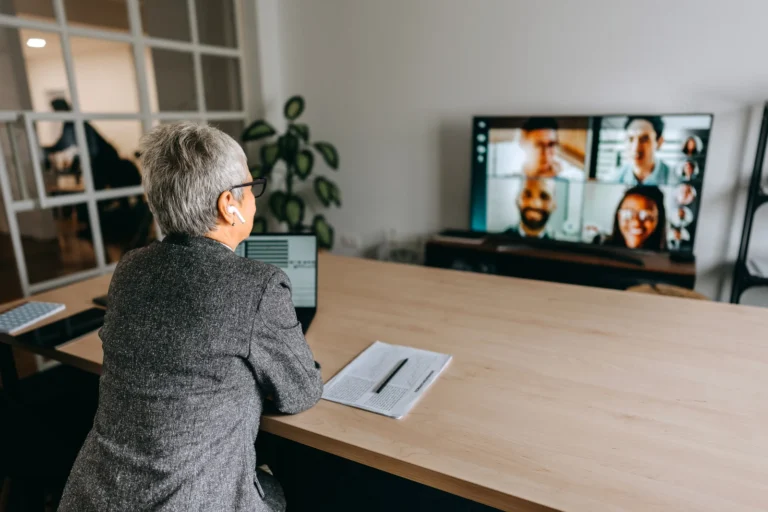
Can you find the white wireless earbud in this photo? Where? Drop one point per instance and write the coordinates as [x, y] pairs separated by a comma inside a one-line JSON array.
[[234, 210]]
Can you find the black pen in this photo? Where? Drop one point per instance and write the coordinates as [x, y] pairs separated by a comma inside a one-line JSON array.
[[394, 372]]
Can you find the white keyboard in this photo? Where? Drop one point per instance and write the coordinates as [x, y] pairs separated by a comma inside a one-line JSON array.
[[27, 314]]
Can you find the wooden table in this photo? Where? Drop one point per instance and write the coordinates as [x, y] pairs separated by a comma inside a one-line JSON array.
[[558, 397]]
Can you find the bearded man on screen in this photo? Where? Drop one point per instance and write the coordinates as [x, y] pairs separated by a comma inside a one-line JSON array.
[[536, 203]]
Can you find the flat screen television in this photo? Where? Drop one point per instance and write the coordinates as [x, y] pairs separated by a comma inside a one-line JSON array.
[[620, 180]]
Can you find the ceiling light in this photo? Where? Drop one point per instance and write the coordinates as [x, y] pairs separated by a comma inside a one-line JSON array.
[[35, 42]]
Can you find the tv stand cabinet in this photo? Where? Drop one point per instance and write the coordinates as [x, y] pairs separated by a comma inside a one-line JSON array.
[[560, 262]]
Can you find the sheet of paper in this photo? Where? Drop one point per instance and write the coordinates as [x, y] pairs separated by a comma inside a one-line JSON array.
[[357, 383]]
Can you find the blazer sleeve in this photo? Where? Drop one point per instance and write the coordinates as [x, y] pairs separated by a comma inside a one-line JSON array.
[[283, 362]]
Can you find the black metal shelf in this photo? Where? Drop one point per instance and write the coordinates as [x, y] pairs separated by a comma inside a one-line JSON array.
[[752, 275], [761, 199], [743, 276]]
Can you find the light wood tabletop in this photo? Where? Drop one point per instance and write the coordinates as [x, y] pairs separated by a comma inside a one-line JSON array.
[[558, 397]]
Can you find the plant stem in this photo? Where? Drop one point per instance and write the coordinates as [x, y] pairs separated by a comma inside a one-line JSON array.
[[289, 186], [289, 180]]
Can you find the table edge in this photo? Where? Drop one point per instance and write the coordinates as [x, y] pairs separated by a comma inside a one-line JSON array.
[[392, 465]]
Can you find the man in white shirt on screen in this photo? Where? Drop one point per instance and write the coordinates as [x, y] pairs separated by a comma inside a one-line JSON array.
[[644, 139]]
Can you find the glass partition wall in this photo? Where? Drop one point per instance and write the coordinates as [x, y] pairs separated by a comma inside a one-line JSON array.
[[80, 82]]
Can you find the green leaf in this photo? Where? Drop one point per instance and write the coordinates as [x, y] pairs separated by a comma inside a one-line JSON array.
[[327, 191], [335, 194], [259, 225], [277, 204], [293, 107], [258, 130], [323, 231], [289, 148], [269, 155], [323, 190], [294, 211], [304, 162], [301, 131], [330, 155]]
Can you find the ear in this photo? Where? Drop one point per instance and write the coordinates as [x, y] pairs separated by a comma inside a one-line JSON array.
[[225, 199], [659, 142]]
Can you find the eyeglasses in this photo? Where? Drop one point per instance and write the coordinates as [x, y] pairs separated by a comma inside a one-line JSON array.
[[546, 146], [257, 186], [627, 214]]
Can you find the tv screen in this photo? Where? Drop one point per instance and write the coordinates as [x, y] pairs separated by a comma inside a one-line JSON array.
[[624, 181]]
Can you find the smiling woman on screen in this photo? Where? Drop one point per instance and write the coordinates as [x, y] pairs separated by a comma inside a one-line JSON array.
[[640, 221], [195, 340]]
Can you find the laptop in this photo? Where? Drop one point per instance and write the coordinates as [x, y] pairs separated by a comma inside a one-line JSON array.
[[296, 255]]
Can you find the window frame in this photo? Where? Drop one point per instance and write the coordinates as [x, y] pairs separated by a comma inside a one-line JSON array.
[[139, 44]]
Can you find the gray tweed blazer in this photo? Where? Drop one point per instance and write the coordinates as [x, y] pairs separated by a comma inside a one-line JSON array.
[[195, 339]]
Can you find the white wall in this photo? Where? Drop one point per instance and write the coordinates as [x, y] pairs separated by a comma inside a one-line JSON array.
[[394, 84]]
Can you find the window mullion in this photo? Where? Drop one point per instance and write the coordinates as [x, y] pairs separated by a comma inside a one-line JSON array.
[[197, 59], [13, 225], [82, 142], [140, 61]]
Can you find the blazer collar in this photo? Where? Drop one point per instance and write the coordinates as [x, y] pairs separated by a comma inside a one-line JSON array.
[[186, 240]]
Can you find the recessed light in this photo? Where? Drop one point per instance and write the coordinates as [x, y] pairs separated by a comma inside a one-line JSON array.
[[35, 42]]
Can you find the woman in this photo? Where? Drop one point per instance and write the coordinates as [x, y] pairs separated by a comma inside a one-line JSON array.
[[195, 339], [640, 221], [692, 145]]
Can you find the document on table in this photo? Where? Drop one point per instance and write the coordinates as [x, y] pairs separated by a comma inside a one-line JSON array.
[[386, 379]]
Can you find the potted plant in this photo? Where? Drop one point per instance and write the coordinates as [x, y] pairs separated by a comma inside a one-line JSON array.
[[295, 154]]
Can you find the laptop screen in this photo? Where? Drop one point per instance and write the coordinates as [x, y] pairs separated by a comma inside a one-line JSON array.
[[296, 255]]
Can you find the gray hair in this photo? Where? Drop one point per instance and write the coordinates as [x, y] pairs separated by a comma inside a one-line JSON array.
[[185, 168]]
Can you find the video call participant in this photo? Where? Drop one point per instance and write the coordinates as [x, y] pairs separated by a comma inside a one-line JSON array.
[[677, 236], [685, 194], [688, 170], [640, 221], [683, 216], [536, 203], [644, 139], [692, 145], [539, 142]]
